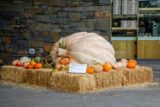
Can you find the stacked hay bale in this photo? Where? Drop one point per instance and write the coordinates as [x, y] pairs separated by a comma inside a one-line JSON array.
[[124, 77], [13, 74], [110, 79], [38, 77], [0, 74], [72, 82], [68, 82]]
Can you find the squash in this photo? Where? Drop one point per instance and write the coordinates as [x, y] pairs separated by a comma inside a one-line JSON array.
[[38, 65], [30, 66], [121, 64], [97, 67], [26, 64], [14, 62], [33, 62], [25, 59], [90, 70], [132, 64], [86, 47], [107, 67], [64, 61], [19, 63], [37, 59]]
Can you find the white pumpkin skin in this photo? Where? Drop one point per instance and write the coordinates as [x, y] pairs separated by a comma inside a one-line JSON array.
[[86, 48]]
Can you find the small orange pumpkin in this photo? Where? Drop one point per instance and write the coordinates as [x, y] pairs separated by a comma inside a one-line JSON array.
[[90, 70], [38, 65], [107, 67], [131, 64], [30, 66], [64, 61]]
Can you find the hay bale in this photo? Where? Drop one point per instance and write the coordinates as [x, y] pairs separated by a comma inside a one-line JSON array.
[[124, 77], [13, 74], [108, 79], [72, 82], [78, 82], [138, 75], [0, 74], [38, 77]]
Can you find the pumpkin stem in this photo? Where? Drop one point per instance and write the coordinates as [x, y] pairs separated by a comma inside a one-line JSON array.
[[62, 45]]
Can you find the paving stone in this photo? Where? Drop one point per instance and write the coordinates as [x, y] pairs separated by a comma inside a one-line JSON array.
[[46, 27], [102, 24], [47, 46], [54, 10], [59, 20], [45, 33], [38, 2], [26, 35], [87, 3], [88, 15], [73, 3], [35, 44], [73, 16], [43, 18], [104, 14], [36, 35], [64, 26], [22, 44], [35, 10], [89, 24], [55, 36], [107, 2], [97, 8], [77, 24], [16, 7], [21, 52], [60, 3], [88, 8], [62, 14], [73, 9]]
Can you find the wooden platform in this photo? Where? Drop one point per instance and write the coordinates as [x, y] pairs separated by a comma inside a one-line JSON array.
[[67, 82]]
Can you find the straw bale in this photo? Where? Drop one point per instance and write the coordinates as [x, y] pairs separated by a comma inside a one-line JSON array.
[[108, 79], [72, 82], [0, 74], [124, 77], [68, 82], [138, 75], [38, 77], [13, 74]]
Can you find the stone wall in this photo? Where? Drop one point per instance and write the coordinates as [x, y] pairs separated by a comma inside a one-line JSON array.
[[37, 24]]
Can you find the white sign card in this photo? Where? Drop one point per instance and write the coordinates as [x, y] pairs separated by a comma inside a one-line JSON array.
[[77, 68]]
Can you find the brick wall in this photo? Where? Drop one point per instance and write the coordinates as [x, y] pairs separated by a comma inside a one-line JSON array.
[[37, 24]]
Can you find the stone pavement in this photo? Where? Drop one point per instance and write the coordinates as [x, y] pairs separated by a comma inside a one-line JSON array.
[[17, 96]]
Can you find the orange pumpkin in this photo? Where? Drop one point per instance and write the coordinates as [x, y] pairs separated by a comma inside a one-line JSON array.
[[38, 65], [90, 70], [64, 61], [131, 64], [107, 67], [30, 66]]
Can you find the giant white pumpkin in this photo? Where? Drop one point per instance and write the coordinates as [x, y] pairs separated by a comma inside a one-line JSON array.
[[86, 48]]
